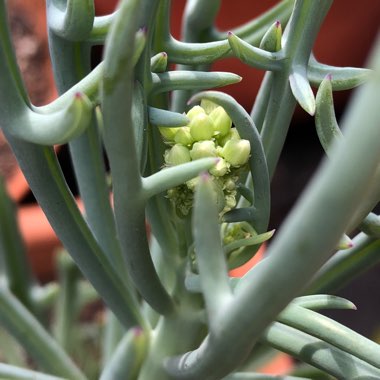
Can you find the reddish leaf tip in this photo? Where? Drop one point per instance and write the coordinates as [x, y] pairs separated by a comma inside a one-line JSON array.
[[277, 23], [137, 331], [143, 29], [204, 176]]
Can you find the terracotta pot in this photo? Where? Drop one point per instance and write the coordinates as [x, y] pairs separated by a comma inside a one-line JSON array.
[[40, 241], [242, 270]]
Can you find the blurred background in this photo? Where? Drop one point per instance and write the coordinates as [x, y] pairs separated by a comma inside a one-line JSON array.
[[345, 40]]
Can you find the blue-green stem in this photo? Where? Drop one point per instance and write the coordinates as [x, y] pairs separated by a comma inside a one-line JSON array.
[[86, 151], [297, 43], [100, 28], [127, 358], [211, 261], [323, 301], [112, 334], [343, 78], [66, 308], [318, 353], [46, 180], [34, 338], [253, 30], [71, 19], [331, 332], [198, 20], [346, 265], [13, 96], [119, 138], [49, 187], [158, 208], [11, 372], [192, 80], [371, 225], [254, 56], [176, 175], [259, 108], [14, 264]]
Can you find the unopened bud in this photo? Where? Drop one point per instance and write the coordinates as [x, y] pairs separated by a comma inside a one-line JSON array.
[[220, 200], [220, 169], [233, 134], [196, 110], [230, 201], [237, 152], [176, 155], [168, 133], [201, 127], [221, 120], [208, 105], [230, 185], [183, 136], [203, 149], [192, 183]]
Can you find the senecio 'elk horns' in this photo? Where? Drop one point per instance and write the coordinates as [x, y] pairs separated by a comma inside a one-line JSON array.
[[151, 144]]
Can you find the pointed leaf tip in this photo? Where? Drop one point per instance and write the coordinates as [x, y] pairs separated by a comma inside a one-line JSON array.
[[143, 30], [137, 331]]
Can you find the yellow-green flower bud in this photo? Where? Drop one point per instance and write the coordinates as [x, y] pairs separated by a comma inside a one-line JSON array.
[[222, 122], [196, 110], [236, 152], [183, 136], [203, 149], [176, 155], [230, 202], [220, 200], [201, 127], [192, 183], [220, 169], [168, 133], [233, 134], [208, 105], [230, 185]]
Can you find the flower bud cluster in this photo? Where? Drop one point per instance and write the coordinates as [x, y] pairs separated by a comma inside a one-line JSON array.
[[208, 134]]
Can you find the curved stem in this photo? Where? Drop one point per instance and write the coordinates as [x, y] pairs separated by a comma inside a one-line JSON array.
[[31, 335]]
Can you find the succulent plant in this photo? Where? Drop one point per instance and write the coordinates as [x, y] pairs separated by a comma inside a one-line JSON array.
[[196, 168]]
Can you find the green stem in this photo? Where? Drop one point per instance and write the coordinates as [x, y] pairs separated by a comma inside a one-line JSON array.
[[13, 95], [86, 151], [66, 310], [13, 258], [47, 182], [32, 336], [119, 134], [11, 372]]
